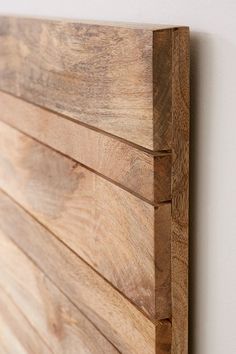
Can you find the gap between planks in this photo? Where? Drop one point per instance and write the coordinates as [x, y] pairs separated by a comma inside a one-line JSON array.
[[59, 290], [92, 170], [76, 121], [155, 322]]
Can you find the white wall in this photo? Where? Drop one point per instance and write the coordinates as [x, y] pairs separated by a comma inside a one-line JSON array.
[[213, 191]]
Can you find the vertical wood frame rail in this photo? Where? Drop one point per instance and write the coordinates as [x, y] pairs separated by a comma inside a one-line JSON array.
[[94, 175]]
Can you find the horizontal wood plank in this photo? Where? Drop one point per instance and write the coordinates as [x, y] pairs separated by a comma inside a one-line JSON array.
[[94, 144], [126, 327], [117, 79], [8, 340], [50, 314], [126, 165], [108, 227], [16, 333]]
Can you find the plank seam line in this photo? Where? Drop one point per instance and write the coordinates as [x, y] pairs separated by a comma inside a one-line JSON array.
[[23, 315], [153, 321], [112, 136], [59, 289], [88, 168]]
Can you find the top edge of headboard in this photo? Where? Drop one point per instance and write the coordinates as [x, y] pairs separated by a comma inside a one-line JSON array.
[[128, 25], [114, 77]]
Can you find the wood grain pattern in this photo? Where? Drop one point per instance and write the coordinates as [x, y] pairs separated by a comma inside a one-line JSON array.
[[162, 90], [101, 75], [48, 312], [93, 217], [133, 169], [16, 333], [180, 191], [126, 327], [94, 173]]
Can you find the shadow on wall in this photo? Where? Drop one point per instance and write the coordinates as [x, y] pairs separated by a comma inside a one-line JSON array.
[[194, 51], [200, 47], [212, 193], [212, 181]]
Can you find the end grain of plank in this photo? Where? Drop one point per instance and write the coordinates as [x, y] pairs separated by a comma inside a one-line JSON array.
[[180, 191]]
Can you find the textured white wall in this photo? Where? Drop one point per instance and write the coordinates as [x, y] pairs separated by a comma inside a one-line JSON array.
[[213, 191]]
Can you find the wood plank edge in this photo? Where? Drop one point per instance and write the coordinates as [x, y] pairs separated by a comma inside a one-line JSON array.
[[162, 327], [154, 203], [152, 152], [127, 25], [180, 188], [153, 320], [163, 337]]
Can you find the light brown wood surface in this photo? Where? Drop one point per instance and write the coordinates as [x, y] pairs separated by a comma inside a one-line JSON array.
[[129, 330], [93, 217], [99, 75], [94, 173], [16, 333], [45, 312], [126, 165]]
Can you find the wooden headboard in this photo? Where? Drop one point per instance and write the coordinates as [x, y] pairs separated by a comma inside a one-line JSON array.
[[94, 150]]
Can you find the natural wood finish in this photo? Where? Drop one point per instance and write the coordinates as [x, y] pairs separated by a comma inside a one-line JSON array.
[[162, 93], [93, 217], [126, 327], [16, 333], [94, 173], [126, 165], [97, 74], [48, 312], [180, 191]]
